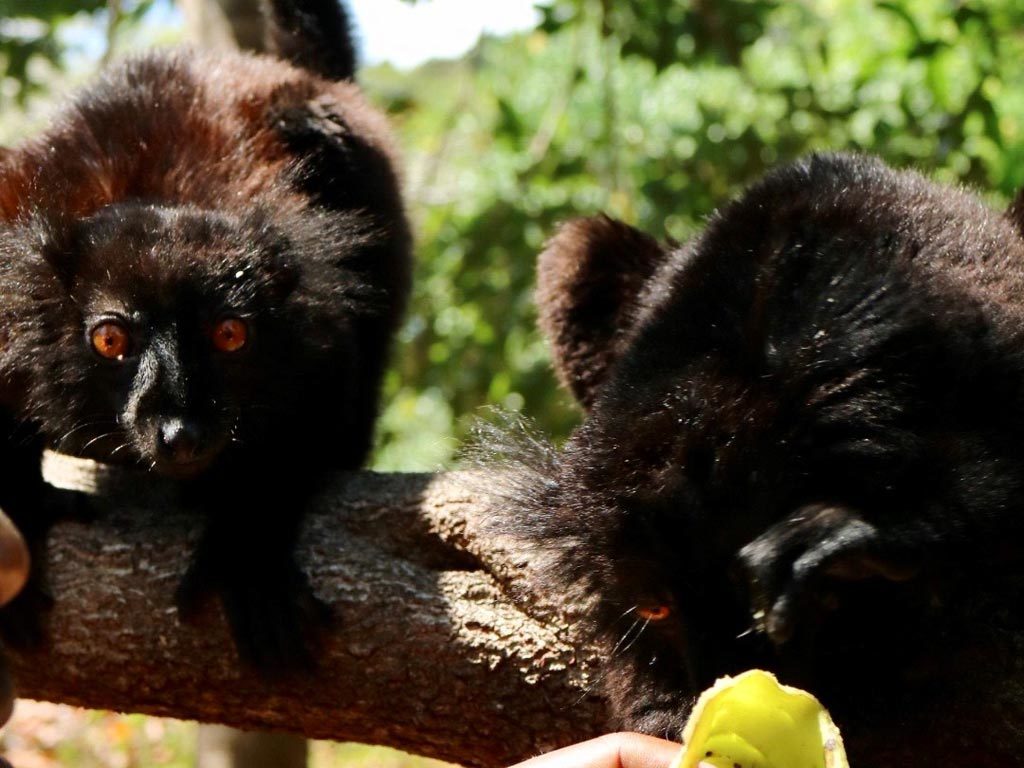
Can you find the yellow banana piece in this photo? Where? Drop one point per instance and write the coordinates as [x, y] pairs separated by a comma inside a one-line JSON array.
[[751, 721]]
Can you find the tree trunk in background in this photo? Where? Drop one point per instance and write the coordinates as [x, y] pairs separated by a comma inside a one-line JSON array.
[[223, 24], [222, 747]]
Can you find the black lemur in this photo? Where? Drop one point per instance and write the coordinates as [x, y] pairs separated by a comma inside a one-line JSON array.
[[802, 446], [202, 262]]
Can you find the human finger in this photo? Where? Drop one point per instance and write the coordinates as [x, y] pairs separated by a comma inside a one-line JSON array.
[[613, 750]]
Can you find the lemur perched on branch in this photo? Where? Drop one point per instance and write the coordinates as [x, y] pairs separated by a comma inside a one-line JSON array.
[[202, 262]]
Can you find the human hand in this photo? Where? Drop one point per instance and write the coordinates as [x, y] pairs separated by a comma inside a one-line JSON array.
[[614, 750], [14, 568], [14, 560]]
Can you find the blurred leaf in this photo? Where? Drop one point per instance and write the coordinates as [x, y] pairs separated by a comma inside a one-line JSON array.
[[30, 32]]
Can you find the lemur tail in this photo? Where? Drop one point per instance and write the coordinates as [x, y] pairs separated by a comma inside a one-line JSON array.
[[312, 34]]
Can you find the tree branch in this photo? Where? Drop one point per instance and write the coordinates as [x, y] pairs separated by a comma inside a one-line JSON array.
[[430, 654]]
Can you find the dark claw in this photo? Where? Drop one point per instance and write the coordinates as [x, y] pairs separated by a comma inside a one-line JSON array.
[[793, 567], [274, 616], [193, 591], [275, 622]]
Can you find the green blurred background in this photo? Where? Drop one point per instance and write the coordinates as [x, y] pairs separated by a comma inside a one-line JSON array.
[[656, 112], [650, 110]]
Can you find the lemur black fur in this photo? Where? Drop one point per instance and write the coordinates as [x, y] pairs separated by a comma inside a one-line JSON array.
[[802, 441], [202, 262]]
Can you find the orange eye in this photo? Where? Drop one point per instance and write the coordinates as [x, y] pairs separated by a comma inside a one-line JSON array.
[[111, 340], [654, 612], [230, 334]]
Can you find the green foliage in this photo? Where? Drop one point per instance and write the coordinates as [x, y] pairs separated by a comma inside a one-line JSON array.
[[30, 33], [657, 111]]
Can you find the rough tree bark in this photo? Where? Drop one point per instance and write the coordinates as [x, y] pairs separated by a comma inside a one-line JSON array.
[[430, 654]]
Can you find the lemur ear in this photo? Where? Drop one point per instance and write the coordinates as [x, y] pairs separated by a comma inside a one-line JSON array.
[[589, 281]]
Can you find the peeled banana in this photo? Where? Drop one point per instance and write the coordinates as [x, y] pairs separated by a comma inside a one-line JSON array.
[[752, 721]]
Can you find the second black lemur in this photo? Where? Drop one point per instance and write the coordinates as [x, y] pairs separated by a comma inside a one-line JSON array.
[[801, 448], [202, 263]]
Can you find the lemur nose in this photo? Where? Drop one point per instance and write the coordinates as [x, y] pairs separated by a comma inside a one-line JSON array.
[[180, 439]]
